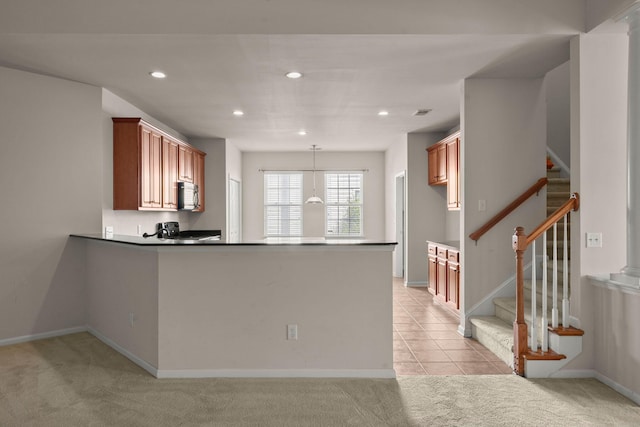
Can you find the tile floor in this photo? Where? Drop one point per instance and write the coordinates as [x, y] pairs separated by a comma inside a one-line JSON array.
[[426, 341]]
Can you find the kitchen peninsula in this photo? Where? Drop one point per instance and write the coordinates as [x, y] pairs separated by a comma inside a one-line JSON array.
[[269, 308]]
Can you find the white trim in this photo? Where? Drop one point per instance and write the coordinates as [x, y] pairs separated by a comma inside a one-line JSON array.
[[276, 373], [592, 373], [486, 306], [575, 373], [464, 331], [628, 393], [420, 284], [564, 169], [42, 335], [575, 322], [126, 353]]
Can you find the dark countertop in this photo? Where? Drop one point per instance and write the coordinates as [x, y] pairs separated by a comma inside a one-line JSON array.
[[272, 241], [453, 244]]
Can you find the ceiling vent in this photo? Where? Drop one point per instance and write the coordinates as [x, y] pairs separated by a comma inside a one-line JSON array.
[[422, 112]]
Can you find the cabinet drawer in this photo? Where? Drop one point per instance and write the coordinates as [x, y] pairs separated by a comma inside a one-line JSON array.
[[442, 253], [432, 250], [453, 256]]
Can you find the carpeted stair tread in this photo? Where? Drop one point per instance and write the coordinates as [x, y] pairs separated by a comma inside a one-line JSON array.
[[506, 310], [495, 334]]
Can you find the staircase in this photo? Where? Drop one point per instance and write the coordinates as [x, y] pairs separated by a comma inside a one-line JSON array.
[[496, 332]]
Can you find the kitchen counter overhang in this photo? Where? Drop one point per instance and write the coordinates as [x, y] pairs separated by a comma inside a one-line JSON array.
[[219, 309]]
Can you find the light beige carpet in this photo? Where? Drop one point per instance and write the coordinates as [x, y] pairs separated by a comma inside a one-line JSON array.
[[76, 380]]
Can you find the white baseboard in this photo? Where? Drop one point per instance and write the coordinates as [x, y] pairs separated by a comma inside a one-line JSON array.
[[126, 353], [43, 335], [276, 373], [421, 284], [592, 373], [628, 393]]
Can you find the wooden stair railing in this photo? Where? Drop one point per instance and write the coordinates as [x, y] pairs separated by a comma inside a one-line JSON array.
[[520, 242], [534, 189]]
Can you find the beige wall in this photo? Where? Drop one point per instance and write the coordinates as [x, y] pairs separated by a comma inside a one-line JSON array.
[[215, 215], [313, 215], [50, 169], [221, 318], [502, 154], [599, 64]]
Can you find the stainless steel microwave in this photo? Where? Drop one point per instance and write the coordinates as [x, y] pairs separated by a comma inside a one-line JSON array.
[[188, 199]]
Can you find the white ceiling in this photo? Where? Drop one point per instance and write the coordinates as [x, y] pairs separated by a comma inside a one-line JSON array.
[[347, 79]]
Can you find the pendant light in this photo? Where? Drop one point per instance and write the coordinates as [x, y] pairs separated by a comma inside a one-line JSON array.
[[314, 199]]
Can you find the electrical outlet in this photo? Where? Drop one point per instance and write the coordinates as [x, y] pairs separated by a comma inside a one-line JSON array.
[[292, 332], [108, 232], [139, 230], [594, 240]]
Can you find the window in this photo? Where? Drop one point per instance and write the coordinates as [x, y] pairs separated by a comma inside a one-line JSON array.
[[343, 203], [283, 204]]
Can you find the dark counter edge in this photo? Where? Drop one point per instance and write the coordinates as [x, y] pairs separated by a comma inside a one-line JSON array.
[[153, 241]]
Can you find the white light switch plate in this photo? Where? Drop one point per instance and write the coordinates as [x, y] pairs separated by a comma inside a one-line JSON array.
[[594, 240]]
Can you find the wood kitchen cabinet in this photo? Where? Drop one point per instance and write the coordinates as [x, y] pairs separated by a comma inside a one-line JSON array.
[[444, 167], [147, 165], [170, 150], [432, 259], [444, 274], [185, 160], [437, 156], [453, 174]]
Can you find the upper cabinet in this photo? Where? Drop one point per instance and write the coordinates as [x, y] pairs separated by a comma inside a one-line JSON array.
[[437, 164], [185, 158], [444, 167], [147, 165]]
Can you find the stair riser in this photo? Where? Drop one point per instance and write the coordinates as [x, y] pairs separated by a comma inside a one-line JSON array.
[[510, 317], [503, 352]]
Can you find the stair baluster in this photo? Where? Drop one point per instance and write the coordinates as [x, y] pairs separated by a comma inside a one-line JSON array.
[[565, 276], [520, 243], [545, 320], [534, 289], [554, 309]]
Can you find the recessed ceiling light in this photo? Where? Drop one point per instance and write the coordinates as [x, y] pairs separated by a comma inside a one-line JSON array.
[[294, 74], [302, 132], [383, 113], [158, 74], [238, 113]]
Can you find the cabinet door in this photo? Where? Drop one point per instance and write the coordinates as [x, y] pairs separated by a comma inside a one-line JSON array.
[[433, 273], [453, 175], [433, 166], [185, 164], [453, 285], [442, 163], [441, 287], [151, 168], [170, 173], [198, 178]]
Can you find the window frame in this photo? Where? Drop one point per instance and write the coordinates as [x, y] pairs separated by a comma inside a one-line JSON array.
[[327, 205], [266, 205]]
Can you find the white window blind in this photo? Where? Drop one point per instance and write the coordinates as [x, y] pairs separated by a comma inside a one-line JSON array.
[[283, 204], [343, 203]]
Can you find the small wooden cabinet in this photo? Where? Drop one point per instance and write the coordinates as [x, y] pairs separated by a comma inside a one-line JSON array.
[[437, 156], [147, 165], [453, 174], [444, 167], [185, 160], [444, 274]]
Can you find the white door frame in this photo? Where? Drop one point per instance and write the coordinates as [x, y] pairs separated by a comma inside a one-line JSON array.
[[230, 237], [400, 253]]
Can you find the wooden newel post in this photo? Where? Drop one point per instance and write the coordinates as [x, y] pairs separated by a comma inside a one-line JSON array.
[[519, 244]]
